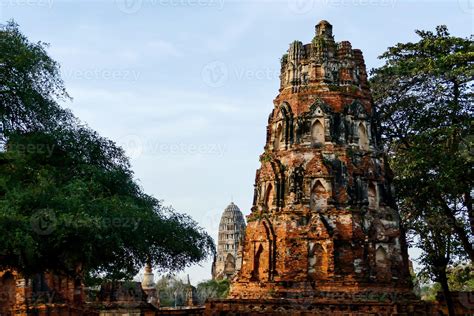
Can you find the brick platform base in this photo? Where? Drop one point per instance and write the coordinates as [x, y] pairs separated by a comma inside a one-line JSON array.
[[300, 307]]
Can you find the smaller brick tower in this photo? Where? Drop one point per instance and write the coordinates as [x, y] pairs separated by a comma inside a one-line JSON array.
[[231, 232]]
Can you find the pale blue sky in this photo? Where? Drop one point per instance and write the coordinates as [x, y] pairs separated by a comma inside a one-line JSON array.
[[187, 85]]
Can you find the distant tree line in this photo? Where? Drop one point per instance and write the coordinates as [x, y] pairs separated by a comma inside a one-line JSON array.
[[172, 290]]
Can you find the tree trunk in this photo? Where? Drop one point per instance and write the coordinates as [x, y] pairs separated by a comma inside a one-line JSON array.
[[78, 296], [470, 211], [443, 280], [460, 231]]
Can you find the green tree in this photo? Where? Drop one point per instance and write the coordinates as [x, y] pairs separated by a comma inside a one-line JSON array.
[[424, 96], [461, 277], [30, 84], [439, 249], [172, 291], [213, 289], [69, 194]]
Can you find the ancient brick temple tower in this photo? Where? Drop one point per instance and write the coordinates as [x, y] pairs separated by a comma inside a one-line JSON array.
[[229, 248], [323, 226]]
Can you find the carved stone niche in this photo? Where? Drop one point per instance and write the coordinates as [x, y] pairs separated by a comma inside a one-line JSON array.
[[262, 248], [278, 142], [320, 194], [269, 196], [295, 179], [317, 132], [373, 196], [318, 260], [363, 136], [382, 263]]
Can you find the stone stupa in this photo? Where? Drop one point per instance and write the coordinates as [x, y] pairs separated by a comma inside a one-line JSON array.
[[324, 236]]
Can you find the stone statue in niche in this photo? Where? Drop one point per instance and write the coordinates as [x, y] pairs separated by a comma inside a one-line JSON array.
[[374, 132], [299, 129], [349, 131], [299, 183], [384, 195], [357, 190], [376, 163], [256, 195], [338, 129], [335, 76], [296, 183], [292, 181], [357, 75]]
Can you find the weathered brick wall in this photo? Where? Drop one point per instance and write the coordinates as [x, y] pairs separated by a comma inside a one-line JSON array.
[[45, 292], [304, 307]]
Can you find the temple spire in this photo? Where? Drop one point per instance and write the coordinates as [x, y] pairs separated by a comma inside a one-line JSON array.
[[324, 29]]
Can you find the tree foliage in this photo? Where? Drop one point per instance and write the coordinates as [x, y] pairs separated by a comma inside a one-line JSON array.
[[68, 198], [171, 291], [30, 84], [213, 289], [460, 278], [424, 96]]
